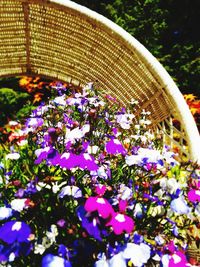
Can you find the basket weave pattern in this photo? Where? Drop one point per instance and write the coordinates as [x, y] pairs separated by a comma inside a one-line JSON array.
[[62, 40]]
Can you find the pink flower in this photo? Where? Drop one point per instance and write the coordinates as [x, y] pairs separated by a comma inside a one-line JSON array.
[[121, 223], [178, 259], [99, 204], [100, 190], [194, 195]]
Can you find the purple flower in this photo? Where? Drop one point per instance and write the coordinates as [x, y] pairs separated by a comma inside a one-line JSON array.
[[83, 161], [14, 231], [34, 122], [68, 160], [48, 153], [87, 161], [114, 147]]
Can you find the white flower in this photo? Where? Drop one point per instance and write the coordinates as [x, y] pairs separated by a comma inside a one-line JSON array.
[[179, 205], [13, 155], [170, 185], [117, 261], [102, 262], [76, 133], [54, 261], [60, 100], [133, 160], [138, 254], [159, 240], [13, 123], [92, 149], [18, 204], [125, 120], [22, 142], [125, 192], [5, 213], [70, 191], [51, 235], [39, 249], [41, 185], [137, 210]]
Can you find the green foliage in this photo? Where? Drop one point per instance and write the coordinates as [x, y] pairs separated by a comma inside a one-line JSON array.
[[11, 101]]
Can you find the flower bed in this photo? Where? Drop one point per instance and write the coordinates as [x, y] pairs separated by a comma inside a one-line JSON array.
[[85, 183]]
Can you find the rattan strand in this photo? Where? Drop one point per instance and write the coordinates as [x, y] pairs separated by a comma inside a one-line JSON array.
[[62, 40]]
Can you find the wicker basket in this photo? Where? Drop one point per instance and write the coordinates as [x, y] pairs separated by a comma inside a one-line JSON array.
[[62, 40]]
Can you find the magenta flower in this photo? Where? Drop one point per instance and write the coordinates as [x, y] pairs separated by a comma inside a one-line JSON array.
[[100, 190], [84, 161], [87, 161], [178, 259], [99, 204], [194, 195], [114, 147], [68, 160], [121, 222]]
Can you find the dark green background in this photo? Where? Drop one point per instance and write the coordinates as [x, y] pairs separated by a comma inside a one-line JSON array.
[[169, 29]]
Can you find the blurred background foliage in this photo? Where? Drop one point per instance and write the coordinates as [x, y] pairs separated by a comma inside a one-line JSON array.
[[169, 29]]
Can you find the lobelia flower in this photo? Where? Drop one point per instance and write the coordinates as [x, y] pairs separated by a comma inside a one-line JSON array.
[[194, 195], [117, 260], [19, 204], [70, 190], [138, 254], [125, 120], [60, 100], [34, 122], [13, 155], [51, 260], [114, 147], [177, 259], [179, 205], [76, 133], [48, 153], [119, 222], [99, 204], [15, 231], [90, 223], [5, 213], [170, 185], [84, 161]]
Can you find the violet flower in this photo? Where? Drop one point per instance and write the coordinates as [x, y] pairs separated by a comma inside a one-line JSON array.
[[13, 231]]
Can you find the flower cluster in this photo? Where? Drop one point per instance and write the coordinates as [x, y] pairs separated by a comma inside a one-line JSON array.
[[83, 182]]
